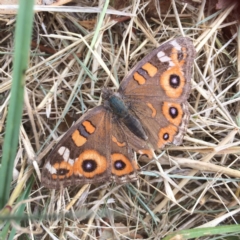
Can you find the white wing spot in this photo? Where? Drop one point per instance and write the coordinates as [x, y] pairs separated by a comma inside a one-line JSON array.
[[71, 161], [61, 150], [66, 154], [50, 168], [176, 45], [163, 58], [160, 54]]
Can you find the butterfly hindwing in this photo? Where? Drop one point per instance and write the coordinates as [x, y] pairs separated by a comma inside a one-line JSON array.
[[124, 166]]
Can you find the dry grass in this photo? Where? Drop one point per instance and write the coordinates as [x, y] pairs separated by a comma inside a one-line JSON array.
[[192, 185]]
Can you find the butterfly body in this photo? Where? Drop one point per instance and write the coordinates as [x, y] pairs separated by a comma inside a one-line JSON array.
[[123, 114], [148, 111]]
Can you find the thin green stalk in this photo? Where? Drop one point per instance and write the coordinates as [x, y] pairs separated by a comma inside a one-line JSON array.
[[21, 56]]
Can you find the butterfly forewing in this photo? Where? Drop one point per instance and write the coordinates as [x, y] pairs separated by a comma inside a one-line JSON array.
[[83, 154], [156, 91], [164, 74]]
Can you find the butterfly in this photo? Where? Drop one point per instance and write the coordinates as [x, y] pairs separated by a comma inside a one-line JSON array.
[[148, 111]]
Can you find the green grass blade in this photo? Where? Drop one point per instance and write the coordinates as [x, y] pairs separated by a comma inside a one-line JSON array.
[[20, 211], [21, 55], [200, 232]]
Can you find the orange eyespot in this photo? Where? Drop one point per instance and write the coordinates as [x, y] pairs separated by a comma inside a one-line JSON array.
[[166, 135], [89, 164], [63, 170], [172, 81], [173, 112], [121, 165]]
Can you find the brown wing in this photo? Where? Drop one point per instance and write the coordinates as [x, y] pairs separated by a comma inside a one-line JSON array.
[[94, 150], [83, 154], [156, 91], [163, 122], [124, 167]]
